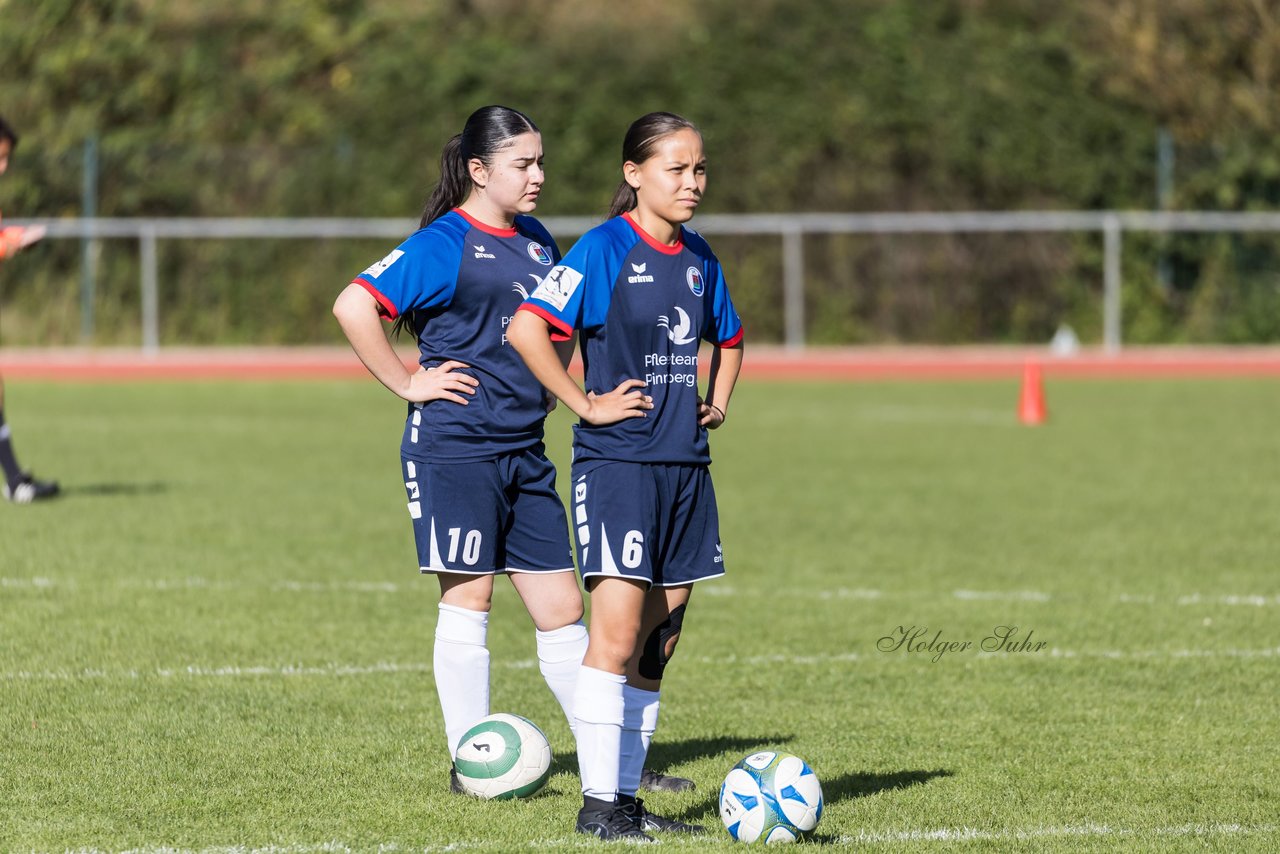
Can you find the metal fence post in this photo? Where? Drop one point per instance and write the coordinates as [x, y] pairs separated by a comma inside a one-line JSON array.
[[1111, 283], [793, 287], [150, 298], [89, 246]]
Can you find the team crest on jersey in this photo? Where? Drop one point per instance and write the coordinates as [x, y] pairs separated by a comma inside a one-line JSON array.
[[539, 253], [679, 331], [379, 267], [694, 277], [558, 286], [481, 253]]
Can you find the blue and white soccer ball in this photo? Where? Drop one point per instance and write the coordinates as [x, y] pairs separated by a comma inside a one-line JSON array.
[[503, 756], [769, 796]]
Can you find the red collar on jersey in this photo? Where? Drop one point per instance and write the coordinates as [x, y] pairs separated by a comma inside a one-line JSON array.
[[487, 229], [648, 238]]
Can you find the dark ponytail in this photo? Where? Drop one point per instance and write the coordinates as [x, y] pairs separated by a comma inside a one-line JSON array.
[[638, 146], [488, 130], [455, 181], [7, 132]]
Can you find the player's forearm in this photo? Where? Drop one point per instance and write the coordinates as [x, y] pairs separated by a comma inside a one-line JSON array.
[[357, 314], [531, 336], [564, 350], [726, 362]]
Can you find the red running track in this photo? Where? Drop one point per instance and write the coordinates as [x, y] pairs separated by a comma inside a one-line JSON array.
[[850, 364]]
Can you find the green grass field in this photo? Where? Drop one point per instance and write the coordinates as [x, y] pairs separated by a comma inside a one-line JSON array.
[[218, 639]]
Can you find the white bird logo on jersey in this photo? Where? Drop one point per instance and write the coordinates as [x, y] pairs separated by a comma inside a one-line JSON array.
[[520, 289], [679, 334]]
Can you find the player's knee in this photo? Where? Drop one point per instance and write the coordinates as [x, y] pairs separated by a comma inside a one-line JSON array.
[[660, 645], [610, 653], [556, 615], [473, 597]]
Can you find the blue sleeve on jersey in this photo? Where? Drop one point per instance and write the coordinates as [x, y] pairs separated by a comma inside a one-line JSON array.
[[420, 273], [575, 294], [723, 327]]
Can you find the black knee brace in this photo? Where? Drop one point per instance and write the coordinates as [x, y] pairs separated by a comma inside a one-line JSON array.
[[654, 658]]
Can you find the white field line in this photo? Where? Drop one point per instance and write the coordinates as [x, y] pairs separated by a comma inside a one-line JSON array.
[[27, 582], [939, 835], [390, 667], [335, 847], [1249, 600], [1102, 831], [1254, 601], [1001, 595]]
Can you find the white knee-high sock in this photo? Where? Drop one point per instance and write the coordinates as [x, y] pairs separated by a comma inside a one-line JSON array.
[[461, 665], [640, 720], [560, 654], [598, 706]]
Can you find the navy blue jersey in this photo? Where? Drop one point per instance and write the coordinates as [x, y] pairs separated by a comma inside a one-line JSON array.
[[643, 307], [463, 281]]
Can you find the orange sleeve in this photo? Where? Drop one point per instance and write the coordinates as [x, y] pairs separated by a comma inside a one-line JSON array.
[[10, 241]]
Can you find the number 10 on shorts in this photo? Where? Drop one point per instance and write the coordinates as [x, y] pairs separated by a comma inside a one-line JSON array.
[[470, 546]]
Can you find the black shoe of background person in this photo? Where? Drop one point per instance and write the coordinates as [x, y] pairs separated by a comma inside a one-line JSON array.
[[29, 489], [655, 781]]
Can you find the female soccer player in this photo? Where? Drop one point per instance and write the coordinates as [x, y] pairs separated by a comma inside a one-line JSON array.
[[481, 491], [644, 291], [20, 486]]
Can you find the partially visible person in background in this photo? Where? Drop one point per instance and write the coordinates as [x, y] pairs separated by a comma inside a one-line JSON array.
[[20, 486]]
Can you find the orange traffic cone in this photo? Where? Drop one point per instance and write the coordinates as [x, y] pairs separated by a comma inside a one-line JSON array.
[[1031, 408]]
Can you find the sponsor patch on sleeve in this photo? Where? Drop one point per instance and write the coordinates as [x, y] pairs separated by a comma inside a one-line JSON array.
[[379, 267], [558, 286]]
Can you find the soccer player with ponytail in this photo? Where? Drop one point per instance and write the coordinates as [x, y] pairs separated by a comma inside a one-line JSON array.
[[481, 491], [642, 291]]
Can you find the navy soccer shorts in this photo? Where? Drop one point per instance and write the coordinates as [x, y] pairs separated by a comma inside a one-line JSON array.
[[500, 515], [653, 523]]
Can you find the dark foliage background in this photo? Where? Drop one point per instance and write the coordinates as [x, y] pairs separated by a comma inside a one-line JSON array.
[[340, 107]]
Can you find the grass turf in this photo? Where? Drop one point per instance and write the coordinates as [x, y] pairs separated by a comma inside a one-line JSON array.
[[218, 640]]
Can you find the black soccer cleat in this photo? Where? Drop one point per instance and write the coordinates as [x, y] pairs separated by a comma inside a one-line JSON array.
[[655, 781], [29, 489], [646, 820], [610, 821], [454, 785]]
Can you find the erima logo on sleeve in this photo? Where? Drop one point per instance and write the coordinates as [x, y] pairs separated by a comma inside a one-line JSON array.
[[639, 276], [558, 286], [378, 268]]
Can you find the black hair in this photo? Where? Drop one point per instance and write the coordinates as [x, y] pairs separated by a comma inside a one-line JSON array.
[[638, 146], [488, 130], [7, 132]]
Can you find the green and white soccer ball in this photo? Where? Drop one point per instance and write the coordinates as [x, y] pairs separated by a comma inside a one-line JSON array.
[[503, 756], [770, 797]]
